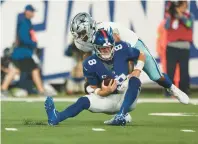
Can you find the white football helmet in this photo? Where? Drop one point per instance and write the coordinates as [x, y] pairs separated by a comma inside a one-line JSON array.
[[83, 27]]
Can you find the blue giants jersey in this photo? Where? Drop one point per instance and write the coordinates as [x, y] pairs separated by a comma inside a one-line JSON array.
[[95, 70]]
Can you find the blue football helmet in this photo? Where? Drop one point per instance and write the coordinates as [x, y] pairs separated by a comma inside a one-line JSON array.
[[103, 39]]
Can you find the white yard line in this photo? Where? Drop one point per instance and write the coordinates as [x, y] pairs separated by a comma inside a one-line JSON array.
[[98, 129], [140, 100], [173, 114], [11, 129], [187, 130]]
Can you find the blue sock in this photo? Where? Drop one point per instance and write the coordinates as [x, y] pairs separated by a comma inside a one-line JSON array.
[[130, 95], [81, 104], [166, 83]]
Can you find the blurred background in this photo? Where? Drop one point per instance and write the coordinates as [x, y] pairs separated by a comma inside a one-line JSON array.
[[59, 62]]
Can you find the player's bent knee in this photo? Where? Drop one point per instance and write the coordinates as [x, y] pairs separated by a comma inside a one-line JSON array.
[[134, 82], [84, 101]]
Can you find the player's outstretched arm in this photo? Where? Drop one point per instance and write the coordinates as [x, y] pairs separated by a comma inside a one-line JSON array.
[[86, 55]]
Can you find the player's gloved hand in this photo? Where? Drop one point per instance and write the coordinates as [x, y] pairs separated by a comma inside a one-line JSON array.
[[110, 88], [124, 85], [122, 82]]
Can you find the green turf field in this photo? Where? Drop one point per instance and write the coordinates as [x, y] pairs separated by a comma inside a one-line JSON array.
[[30, 120]]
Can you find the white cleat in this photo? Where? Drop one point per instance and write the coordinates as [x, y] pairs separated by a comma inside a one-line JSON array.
[[128, 119], [181, 96]]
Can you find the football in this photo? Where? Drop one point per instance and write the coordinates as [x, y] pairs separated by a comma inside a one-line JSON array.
[[107, 81]]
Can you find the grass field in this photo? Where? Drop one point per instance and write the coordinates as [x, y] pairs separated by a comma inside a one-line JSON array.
[[30, 120]]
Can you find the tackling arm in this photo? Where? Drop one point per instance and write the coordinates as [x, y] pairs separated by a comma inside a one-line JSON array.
[[139, 66], [136, 55]]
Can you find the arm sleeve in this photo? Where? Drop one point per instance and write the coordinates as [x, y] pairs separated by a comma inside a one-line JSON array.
[[188, 22], [133, 53], [91, 77], [24, 35]]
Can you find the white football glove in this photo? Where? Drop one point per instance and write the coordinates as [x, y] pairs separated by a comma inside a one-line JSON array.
[[122, 81], [124, 85], [89, 89]]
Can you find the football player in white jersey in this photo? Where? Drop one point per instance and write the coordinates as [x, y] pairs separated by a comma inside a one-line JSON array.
[[83, 28]]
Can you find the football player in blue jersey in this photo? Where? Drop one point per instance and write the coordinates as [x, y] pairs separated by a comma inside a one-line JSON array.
[[109, 61], [83, 29]]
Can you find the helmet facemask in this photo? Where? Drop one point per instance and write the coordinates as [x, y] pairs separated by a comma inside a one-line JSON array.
[[105, 53]]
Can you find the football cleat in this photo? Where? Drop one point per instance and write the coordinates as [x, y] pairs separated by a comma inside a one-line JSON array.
[[5, 94], [128, 119], [181, 96], [118, 120], [52, 114]]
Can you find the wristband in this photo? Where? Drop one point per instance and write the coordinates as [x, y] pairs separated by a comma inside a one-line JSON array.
[[139, 65], [96, 91]]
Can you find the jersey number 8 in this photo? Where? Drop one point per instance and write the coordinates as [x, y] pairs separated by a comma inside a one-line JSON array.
[[118, 47], [92, 62]]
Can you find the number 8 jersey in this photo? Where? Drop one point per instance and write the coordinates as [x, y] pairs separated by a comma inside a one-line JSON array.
[[95, 69]]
